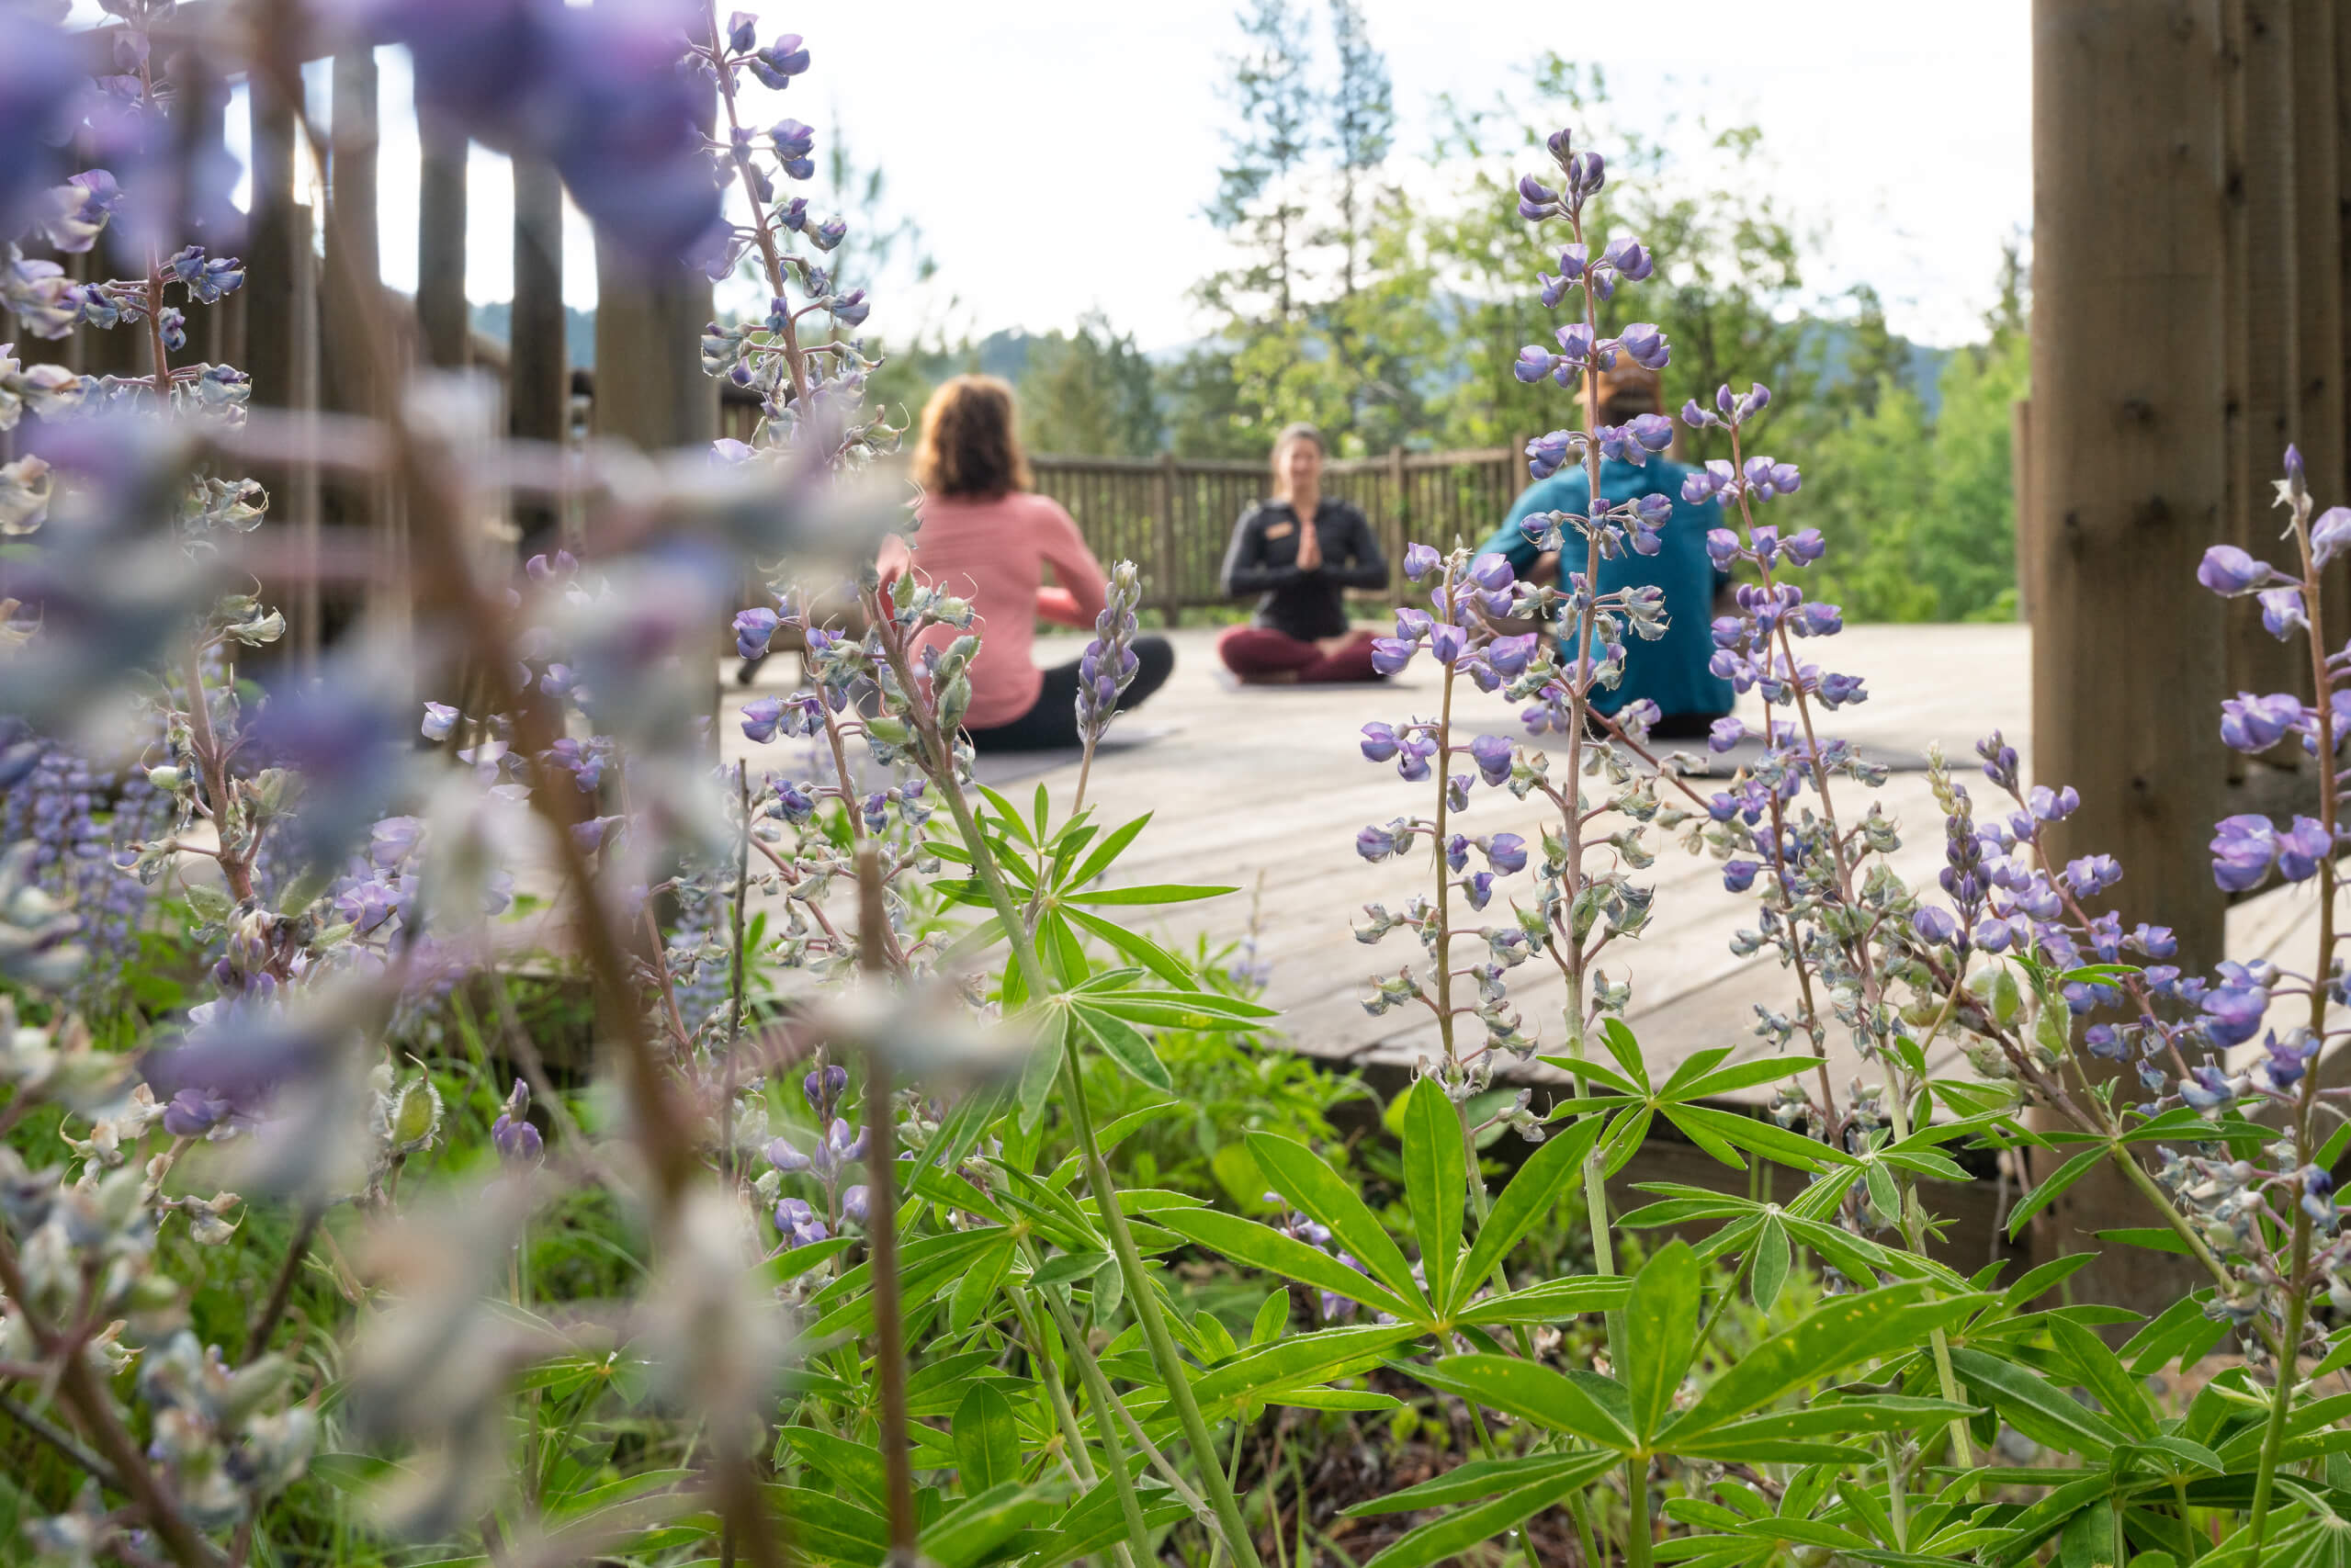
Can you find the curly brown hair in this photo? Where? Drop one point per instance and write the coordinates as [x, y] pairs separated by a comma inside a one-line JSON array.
[[970, 444]]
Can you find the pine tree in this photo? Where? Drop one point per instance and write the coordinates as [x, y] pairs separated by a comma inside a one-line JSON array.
[[1258, 199]]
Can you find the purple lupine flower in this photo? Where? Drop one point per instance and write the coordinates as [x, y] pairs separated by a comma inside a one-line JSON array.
[[2048, 805], [2330, 534], [1491, 572], [1507, 853], [1457, 851], [1379, 742], [798, 1223], [192, 1112], [1534, 362], [2230, 572], [440, 721], [2207, 1089], [2155, 941], [1628, 257], [786, 1156], [2303, 847], [2281, 610], [1805, 547], [517, 1142], [1817, 619], [854, 1202], [753, 630], [823, 1088], [1837, 690], [1419, 560], [1647, 344], [1537, 201], [1447, 642], [1375, 843], [1738, 875], [1509, 656], [1492, 754], [1992, 934], [1479, 888], [1547, 453], [2092, 874], [2249, 723], [2233, 1014], [1934, 925], [1767, 480], [2243, 846], [1725, 733], [1390, 654], [761, 717]]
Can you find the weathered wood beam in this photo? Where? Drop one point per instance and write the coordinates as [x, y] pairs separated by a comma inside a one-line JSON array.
[[444, 318], [538, 362], [2132, 483]]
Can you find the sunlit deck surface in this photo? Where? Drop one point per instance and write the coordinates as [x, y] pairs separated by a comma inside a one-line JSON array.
[[1264, 788]]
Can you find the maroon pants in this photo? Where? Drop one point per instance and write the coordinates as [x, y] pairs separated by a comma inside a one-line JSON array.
[[1254, 654]]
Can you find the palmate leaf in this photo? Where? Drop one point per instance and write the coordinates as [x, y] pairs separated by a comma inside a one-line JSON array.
[[1263, 1246], [1257, 1375], [1464, 1527], [1534, 1193], [2036, 1406], [1532, 1392], [987, 1440], [970, 1532], [1435, 1181], [1315, 1190], [1122, 1043], [1660, 1334], [2105, 1376], [1843, 1333], [1113, 845], [1554, 1301], [1150, 893], [1134, 945], [2050, 1191]]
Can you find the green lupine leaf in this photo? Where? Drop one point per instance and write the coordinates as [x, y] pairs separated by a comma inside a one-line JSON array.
[[2048, 1192], [1845, 1331], [1043, 1068], [1458, 1531], [854, 1468], [1272, 1319], [1532, 1193], [831, 1529], [1134, 945], [1097, 1522], [1477, 1478], [1263, 1246], [1110, 848], [1318, 1193], [1771, 1261], [970, 1533], [1069, 1269], [2107, 1380], [1660, 1334], [1123, 1043], [1759, 1136], [1688, 1070], [1586, 1068], [987, 1441], [1626, 1050], [1746, 1075], [1626, 1134], [1532, 1392], [2035, 1406], [1435, 1181], [1150, 893], [1257, 1375], [1554, 1301], [1005, 816]]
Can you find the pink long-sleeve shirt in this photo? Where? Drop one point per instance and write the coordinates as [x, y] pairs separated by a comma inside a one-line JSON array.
[[994, 553]]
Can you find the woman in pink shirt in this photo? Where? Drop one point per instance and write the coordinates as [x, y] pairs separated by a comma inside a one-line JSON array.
[[988, 538]]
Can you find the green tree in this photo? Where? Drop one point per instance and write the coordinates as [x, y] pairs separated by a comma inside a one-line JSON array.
[[1090, 392]]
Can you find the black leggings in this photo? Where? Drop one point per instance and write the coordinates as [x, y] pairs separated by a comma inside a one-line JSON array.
[[1051, 723]]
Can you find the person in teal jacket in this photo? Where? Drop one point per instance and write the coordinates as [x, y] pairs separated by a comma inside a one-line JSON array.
[[1670, 672]]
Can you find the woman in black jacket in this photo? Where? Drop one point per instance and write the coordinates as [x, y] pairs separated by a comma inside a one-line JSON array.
[[1300, 552]]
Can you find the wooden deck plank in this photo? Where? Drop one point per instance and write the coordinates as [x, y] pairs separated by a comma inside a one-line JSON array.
[[1266, 788]]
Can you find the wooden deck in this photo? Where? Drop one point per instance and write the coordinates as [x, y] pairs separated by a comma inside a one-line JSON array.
[[1264, 788]]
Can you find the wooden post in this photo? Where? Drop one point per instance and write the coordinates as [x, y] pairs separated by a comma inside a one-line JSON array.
[[2020, 490], [2128, 372], [271, 239], [353, 271], [444, 318], [1398, 529], [1163, 534], [649, 385], [2260, 297], [2318, 274], [539, 367]]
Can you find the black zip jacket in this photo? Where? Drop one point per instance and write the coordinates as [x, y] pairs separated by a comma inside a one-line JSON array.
[[1263, 560]]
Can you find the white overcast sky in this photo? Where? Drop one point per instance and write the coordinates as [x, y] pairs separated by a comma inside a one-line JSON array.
[[1057, 152]]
